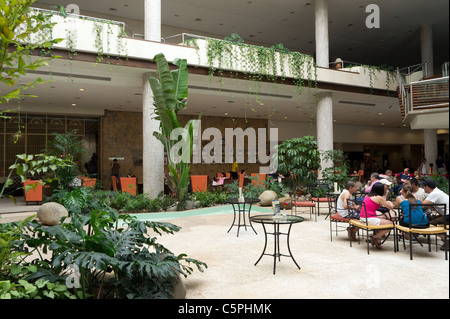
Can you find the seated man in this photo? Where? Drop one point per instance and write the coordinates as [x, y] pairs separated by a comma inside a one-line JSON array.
[[405, 174], [341, 205], [415, 189], [343, 209], [436, 196], [374, 178]]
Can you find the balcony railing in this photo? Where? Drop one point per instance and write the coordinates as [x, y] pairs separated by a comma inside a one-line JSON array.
[[422, 94]]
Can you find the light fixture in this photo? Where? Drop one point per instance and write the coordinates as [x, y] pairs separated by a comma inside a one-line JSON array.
[[73, 104]]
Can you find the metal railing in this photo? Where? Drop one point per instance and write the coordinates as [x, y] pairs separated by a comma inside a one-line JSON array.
[[422, 94]]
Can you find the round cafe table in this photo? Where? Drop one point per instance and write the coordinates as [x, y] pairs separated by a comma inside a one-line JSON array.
[[242, 207], [269, 219]]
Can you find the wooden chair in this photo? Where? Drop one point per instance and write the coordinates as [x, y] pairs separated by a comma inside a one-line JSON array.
[[32, 191], [365, 225], [415, 230], [129, 185], [199, 183]]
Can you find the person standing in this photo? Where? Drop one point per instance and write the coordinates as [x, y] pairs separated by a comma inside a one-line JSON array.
[[234, 170], [115, 170]]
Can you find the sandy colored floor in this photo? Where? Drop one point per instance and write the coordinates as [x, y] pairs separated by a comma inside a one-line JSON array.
[[329, 269]]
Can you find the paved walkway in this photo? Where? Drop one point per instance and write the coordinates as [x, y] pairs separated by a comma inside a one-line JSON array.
[[329, 269]]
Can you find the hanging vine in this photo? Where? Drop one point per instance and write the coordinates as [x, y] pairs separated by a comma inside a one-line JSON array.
[[258, 64]]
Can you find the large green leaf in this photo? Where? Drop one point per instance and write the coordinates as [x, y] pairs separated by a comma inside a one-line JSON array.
[[166, 80], [180, 80]]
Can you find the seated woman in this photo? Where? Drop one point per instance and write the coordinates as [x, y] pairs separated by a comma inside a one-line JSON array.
[[373, 201], [419, 218], [219, 181]]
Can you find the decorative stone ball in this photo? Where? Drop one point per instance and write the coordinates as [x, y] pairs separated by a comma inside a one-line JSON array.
[[50, 214], [267, 197]]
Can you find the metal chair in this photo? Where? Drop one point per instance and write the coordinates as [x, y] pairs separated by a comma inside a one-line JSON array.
[[414, 230], [318, 196], [365, 225], [335, 218], [303, 203]]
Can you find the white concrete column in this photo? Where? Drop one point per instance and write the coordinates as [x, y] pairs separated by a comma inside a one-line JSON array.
[[322, 40], [426, 35], [325, 126], [152, 20], [431, 148], [153, 150]]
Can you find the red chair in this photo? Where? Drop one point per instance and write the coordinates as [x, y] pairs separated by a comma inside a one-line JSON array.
[[129, 185], [360, 175], [318, 194], [32, 191], [241, 180], [88, 182], [199, 183], [260, 180], [305, 203]]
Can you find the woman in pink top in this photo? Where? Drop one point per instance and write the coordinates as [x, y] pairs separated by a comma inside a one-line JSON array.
[[373, 201]]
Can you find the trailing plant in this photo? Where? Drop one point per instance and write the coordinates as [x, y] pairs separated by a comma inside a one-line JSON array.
[[17, 30], [258, 63]]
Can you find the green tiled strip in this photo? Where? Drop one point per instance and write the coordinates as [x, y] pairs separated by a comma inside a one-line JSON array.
[[216, 210]]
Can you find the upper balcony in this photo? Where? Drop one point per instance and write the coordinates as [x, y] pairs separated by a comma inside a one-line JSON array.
[[424, 101], [109, 39]]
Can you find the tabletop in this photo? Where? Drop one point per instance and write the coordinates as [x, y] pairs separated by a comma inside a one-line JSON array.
[[239, 201], [270, 219]]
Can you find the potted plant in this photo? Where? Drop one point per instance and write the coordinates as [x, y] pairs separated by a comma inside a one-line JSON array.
[[298, 159]]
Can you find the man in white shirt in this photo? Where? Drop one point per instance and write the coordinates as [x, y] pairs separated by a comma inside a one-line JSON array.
[[436, 196], [416, 190]]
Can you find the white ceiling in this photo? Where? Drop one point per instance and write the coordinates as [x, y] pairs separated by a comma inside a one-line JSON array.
[[290, 22]]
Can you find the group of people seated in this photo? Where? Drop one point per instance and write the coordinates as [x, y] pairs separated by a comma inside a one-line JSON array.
[[220, 179], [379, 206]]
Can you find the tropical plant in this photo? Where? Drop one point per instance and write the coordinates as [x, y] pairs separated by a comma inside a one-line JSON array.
[[67, 145], [170, 93], [18, 25], [298, 159], [115, 255], [338, 173]]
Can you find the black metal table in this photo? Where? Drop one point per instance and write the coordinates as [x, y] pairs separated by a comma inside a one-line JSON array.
[[276, 222], [241, 207]]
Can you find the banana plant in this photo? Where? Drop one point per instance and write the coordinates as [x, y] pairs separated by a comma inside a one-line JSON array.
[[170, 93]]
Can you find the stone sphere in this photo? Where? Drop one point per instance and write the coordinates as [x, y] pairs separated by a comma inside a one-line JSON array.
[[267, 197], [50, 214]]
